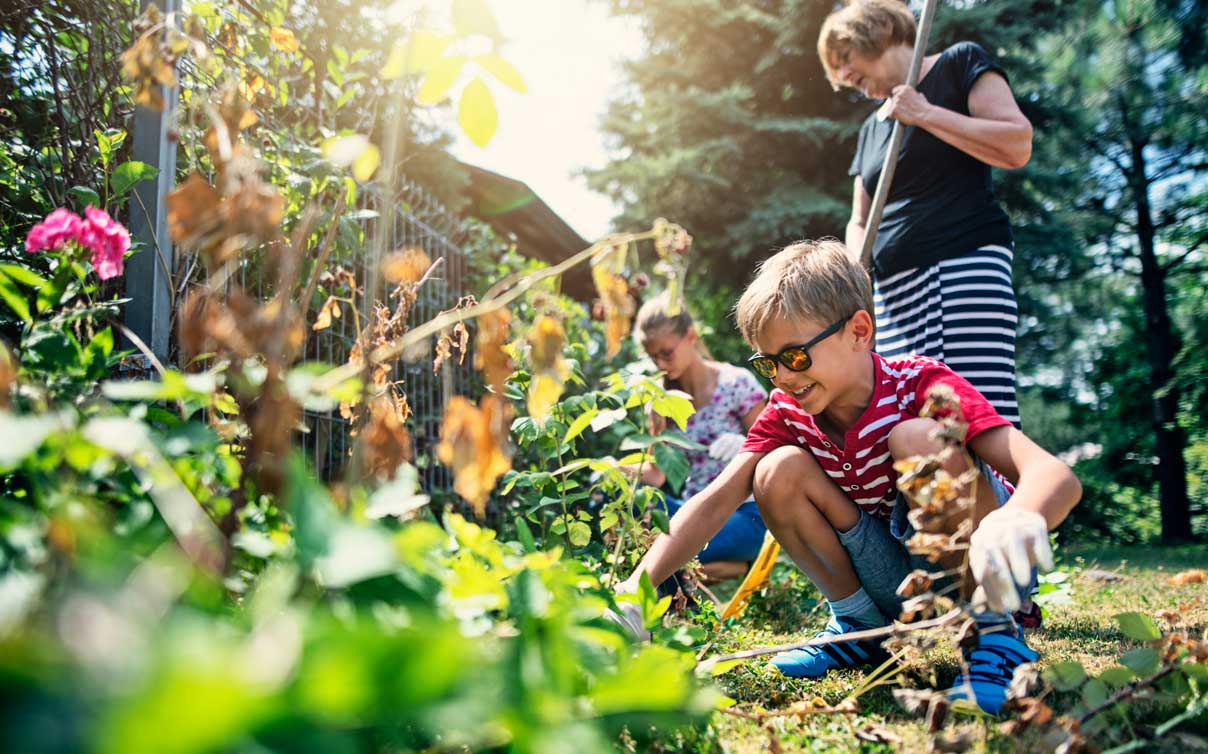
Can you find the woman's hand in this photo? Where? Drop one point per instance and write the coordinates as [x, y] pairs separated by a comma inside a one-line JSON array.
[[906, 105]]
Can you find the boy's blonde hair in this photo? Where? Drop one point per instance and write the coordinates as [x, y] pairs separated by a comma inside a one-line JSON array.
[[866, 27], [809, 280]]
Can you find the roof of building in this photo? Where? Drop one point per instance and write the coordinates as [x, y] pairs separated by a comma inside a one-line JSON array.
[[513, 209]]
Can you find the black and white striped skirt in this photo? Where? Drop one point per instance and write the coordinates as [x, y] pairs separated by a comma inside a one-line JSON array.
[[961, 311]]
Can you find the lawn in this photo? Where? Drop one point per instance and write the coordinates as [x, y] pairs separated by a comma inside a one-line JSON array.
[[1103, 581]]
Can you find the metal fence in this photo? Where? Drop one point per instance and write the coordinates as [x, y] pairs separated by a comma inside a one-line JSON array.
[[412, 218], [417, 221]]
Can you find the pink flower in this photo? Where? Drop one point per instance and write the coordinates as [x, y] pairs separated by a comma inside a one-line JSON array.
[[107, 239], [60, 226]]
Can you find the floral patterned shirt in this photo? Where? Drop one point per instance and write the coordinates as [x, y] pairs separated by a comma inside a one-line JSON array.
[[737, 392]]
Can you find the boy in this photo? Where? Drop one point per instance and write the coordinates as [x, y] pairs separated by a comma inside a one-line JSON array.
[[820, 463]]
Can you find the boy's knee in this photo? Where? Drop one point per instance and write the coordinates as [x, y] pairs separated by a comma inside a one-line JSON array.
[[780, 480], [913, 438]]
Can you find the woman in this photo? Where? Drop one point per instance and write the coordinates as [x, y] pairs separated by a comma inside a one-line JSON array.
[[943, 250], [727, 399]]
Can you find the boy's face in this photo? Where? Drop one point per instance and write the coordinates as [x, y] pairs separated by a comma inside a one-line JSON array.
[[835, 360]]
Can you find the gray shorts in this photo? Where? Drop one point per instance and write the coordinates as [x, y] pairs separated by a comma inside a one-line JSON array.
[[878, 551]]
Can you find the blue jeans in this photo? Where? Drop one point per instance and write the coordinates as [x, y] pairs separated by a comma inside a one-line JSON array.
[[739, 539], [879, 555]]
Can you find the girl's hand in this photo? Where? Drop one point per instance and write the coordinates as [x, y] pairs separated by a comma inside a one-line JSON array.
[[906, 105], [655, 423], [726, 446]]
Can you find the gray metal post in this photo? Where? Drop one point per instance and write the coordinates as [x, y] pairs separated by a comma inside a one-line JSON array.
[[149, 272]]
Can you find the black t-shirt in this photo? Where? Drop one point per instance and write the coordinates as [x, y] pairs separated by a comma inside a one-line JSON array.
[[941, 203]]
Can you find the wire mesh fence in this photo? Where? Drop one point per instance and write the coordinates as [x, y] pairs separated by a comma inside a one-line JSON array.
[[414, 219]]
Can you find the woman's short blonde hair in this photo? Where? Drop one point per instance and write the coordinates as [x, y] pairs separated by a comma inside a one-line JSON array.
[[809, 280], [866, 27]]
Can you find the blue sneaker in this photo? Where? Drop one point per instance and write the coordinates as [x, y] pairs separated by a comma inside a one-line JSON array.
[[991, 667], [815, 662]]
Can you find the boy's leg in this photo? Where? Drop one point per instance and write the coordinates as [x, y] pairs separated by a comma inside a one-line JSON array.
[[1001, 648], [802, 507]]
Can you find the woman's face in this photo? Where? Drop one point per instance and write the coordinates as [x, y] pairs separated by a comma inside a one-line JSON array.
[[874, 77], [671, 352]]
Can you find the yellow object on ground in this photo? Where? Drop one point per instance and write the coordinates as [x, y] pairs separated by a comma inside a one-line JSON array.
[[760, 570]]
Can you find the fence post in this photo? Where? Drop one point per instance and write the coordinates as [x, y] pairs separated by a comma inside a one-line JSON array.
[[149, 272]]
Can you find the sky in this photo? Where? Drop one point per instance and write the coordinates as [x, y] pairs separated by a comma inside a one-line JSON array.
[[568, 52]]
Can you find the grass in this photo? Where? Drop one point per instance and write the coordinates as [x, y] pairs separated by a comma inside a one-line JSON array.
[[1082, 630]]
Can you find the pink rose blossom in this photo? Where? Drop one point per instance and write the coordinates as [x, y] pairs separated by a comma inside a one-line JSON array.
[[108, 241], [60, 226]]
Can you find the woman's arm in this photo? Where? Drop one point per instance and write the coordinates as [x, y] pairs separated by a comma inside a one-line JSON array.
[[697, 522], [995, 131], [861, 203]]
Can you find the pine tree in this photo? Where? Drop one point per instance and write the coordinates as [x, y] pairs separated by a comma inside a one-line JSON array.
[[1130, 137]]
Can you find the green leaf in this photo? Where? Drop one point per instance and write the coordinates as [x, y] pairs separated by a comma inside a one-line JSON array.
[[497, 66], [657, 679], [476, 112], [96, 353], [676, 406], [439, 78], [581, 422], [366, 163], [1142, 660], [344, 150], [15, 298], [53, 292], [84, 196], [22, 436], [1094, 693], [1117, 676], [128, 174], [659, 518], [648, 599], [722, 668], [23, 275], [525, 534], [674, 464], [474, 17], [1138, 626], [579, 533], [416, 54], [1197, 671], [1065, 676]]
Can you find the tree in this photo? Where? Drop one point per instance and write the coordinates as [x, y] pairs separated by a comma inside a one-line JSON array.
[[729, 126], [1131, 134]]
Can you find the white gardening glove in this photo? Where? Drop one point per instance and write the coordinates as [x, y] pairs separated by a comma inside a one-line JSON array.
[[726, 446], [629, 618], [1007, 543]]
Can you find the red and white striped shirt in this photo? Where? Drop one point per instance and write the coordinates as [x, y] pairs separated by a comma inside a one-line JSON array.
[[863, 467]]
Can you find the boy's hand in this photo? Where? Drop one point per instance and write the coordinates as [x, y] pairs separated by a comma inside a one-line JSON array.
[[726, 446], [1007, 543]]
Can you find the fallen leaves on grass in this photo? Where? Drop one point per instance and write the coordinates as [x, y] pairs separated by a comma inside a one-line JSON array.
[[1193, 576]]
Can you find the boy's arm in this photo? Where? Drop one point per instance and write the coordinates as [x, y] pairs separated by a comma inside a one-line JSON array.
[[697, 522], [1012, 539], [1043, 484]]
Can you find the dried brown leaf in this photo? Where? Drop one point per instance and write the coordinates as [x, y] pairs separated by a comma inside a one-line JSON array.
[[472, 444], [406, 266], [1193, 576]]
